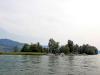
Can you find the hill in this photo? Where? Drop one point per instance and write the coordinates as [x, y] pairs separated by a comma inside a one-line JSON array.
[[7, 45]]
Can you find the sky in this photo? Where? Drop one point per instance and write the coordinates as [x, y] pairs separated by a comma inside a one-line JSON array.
[[40, 20]]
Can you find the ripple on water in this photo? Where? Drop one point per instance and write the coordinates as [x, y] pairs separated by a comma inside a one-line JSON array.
[[49, 65]]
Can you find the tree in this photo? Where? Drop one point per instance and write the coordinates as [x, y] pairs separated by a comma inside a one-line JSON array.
[[76, 49], [87, 49], [70, 45], [25, 48], [39, 47], [33, 48], [64, 49], [36, 48], [53, 46], [91, 50]]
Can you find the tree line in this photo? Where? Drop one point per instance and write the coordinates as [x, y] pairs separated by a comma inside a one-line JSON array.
[[55, 48]]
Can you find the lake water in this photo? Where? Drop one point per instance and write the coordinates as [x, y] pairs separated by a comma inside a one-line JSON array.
[[49, 65]]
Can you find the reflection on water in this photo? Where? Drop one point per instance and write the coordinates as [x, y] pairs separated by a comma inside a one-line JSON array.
[[49, 65]]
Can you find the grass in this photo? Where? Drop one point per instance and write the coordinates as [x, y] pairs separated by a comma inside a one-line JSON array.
[[22, 53]]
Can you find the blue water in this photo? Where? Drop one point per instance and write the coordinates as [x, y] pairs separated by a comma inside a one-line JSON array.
[[49, 65]]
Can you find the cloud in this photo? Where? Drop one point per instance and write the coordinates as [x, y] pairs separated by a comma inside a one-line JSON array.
[[43, 19]]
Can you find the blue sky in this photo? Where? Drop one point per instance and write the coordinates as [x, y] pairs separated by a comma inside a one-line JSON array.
[[39, 20]]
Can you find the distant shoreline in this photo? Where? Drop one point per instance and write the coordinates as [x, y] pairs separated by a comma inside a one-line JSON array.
[[33, 53], [22, 53]]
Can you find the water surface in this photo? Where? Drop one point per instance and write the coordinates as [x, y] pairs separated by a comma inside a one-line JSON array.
[[49, 65]]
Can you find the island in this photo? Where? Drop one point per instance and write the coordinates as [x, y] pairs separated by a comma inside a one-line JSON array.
[[54, 47]]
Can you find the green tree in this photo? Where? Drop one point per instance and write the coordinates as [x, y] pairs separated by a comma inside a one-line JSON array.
[[91, 50], [25, 48], [39, 47], [64, 49], [87, 49], [33, 48], [71, 46], [53, 46], [36, 48], [76, 49]]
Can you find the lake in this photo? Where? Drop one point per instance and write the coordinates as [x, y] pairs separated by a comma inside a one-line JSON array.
[[49, 65]]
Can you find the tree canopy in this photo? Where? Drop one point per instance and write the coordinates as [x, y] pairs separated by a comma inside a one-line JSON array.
[[54, 47]]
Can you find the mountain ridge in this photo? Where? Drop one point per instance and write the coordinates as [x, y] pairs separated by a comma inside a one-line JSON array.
[[8, 45]]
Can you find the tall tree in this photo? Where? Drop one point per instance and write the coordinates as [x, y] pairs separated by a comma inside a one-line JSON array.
[[76, 49], [39, 47], [25, 48], [64, 49], [70, 45], [53, 46]]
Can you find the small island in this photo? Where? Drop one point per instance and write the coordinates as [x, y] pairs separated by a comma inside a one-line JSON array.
[[54, 48]]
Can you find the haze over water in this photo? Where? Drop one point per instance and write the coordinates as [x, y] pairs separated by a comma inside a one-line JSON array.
[[49, 65]]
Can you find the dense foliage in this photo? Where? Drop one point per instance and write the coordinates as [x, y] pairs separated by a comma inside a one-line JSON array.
[[32, 48], [55, 48]]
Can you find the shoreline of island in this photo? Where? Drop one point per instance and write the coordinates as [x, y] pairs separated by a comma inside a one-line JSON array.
[[22, 53], [39, 53]]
